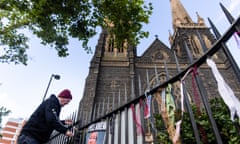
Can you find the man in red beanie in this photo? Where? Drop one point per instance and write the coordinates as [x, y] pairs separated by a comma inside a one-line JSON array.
[[45, 119]]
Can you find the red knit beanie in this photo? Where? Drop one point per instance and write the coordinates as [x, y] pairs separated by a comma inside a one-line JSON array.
[[65, 94]]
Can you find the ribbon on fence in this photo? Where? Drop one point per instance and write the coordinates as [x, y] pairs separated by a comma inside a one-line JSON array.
[[136, 119], [163, 104], [147, 107], [195, 92], [178, 123], [225, 91], [170, 104], [197, 101], [236, 35], [147, 110], [139, 115]]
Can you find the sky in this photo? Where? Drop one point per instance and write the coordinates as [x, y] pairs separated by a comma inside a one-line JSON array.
[[22, 87]]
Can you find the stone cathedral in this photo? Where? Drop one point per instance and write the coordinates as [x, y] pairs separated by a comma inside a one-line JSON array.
[[118, 75]]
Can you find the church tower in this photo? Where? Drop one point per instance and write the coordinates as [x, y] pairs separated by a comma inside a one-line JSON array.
[[117, 75], [111, 74], [189, 39]]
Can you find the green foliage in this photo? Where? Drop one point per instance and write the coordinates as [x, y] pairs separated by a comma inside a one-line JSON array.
[[3, 112], [162, 135], [54, 22], [126, 16], [13, 44], [221, 114]]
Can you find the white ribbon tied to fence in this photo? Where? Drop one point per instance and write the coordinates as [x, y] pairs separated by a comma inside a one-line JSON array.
[[225, 91]]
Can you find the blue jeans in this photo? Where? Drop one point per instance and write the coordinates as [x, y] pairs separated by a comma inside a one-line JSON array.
[[23, 139]]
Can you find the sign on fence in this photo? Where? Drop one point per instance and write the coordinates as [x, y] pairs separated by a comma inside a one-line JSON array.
[[96, 133]]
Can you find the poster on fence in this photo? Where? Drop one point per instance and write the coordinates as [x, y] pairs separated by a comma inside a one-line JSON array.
[[96, 133]]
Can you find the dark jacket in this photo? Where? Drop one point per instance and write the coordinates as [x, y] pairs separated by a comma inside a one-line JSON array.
[[44, 120]]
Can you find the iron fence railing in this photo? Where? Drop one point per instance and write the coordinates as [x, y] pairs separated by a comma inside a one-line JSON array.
[[157, 115]]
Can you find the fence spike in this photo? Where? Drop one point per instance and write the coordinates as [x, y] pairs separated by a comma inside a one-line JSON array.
[[166, 70], [148, 83], [90, 115], [108, 103], [98, 109], [203, 44], [226, 51], [80, 117], [139, 85], [119, 98], [156, 74], [132, 89], [113, 102], [177, 62], [94, 112], [125, 87], [215, 31], [103, 109], [227, 14], [188, 52]]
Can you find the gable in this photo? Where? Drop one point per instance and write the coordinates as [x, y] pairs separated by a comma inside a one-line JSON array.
[[157, 52]]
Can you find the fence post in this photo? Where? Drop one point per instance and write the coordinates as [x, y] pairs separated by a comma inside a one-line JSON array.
[[189, 109], [226, 51], [203, 95]]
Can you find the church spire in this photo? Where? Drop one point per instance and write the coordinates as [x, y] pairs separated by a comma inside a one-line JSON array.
[[179, 14]]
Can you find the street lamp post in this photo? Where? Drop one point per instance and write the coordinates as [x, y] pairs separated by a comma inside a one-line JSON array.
[[55, 76]]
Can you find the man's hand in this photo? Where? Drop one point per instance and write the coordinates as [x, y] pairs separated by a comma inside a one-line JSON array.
[[69, 134], [68, 122]]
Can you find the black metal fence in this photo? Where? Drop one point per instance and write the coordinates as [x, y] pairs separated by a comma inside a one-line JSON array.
[[159, 117]]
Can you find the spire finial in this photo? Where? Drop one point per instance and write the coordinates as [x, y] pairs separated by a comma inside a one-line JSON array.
[[179, 14], [200, 19]]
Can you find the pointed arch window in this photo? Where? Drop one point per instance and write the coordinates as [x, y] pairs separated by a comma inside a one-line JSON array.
[[207, 41], [178, 51], [195, 46], [111, 45]]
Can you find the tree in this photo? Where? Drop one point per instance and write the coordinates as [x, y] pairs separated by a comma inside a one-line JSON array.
[[3, 112], [55, 21]]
